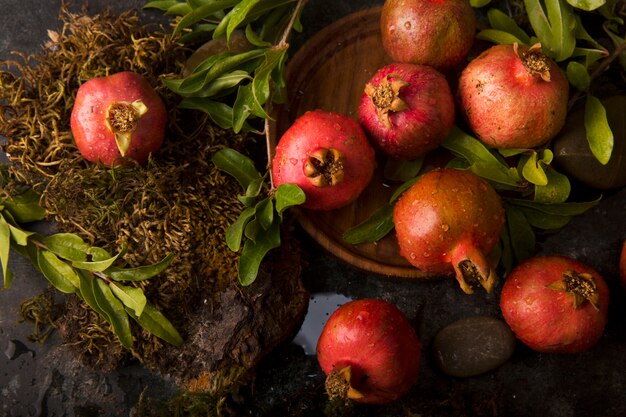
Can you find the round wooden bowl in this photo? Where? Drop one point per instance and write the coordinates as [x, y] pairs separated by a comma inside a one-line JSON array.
[[329, 72]]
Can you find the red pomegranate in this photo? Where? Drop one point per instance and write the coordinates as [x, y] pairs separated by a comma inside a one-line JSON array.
[[369, 352], [514, 96], [328, 156], [447, 222], [555, 304], [407, 110], [118, 116], [438, 33]]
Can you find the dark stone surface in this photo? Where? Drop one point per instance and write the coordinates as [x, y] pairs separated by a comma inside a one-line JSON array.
[[44, 380]]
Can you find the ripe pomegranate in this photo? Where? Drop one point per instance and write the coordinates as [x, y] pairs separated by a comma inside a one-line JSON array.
[[555, 304], [328, 156], [514, 96], [369, 352], [438, 33], [118, 116], [407, 110], [446, 223]]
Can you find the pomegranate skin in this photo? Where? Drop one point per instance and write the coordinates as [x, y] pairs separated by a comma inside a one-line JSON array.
[[425, 122], [447, 222], [545, 319], [508, 107], [438, 33], [322, 131], [95, 140], [374, 338]]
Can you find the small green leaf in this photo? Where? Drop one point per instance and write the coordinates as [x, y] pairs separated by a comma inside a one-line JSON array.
[[160, 4], [556, 190], [139, 273], [255, 39], [254, 252], [86, 287], [265, 213], [25, 207], [114, 312], [560, 209], [99, 265], [20, 236], [501, 21], [237, 165], [499, 37], [578, 76], [479, 3], [5, 245], [238, 14], [234, 233], [587, 5], [288, 195], [599, 134], [521, 234], [532, 169], [157, 324], [131, 297], [203, 12], [98, 254], [252, 229], [377, 226], [61, 275], [67, 246]]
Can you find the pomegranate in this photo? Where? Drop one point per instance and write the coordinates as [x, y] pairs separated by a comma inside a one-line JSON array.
[[514, 96], [328, 156], [118, 116], [447, 222], [555, 304], [369, 352], [438, 33], [407, 110]]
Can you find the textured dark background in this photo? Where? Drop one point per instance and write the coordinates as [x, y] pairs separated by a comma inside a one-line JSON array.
[[44, 380]]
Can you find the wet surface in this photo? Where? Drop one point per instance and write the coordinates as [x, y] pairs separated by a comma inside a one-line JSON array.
[[45, 380]]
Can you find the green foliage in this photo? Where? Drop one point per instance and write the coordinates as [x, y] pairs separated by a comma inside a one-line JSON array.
[[234, 87], [73, 266], [258, 225]]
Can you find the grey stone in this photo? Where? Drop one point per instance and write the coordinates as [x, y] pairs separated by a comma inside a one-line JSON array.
[[473, 346]]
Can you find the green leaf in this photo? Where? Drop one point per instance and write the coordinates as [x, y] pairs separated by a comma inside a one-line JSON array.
[[237, 165], [501, 21], [599, 134], [67, 246], [20, 236], [553, 210], [238, 14], [255, 39], [61, 275], [378, 225], [86, 287], [481, 161], [139, 273], [5, 245], [252, 229], [402, 188], [25, 207], [234, 233], [220, 113], [578, 76], [402, 170], [223, 83], [479, 3], [261, 82], [586, 5], [498, 37], [532, 169], [254, 252], [555, 26], [246, 104], [157, 324], [265, 213], [203, 12], [98, 265], [131, 297], [521, 234], [288, 195], [556, 190], [114, 312], [160, 4]]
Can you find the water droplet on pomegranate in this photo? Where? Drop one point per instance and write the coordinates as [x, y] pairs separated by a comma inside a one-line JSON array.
[[391, 29], [412, 255], [426, 254], [293, 161], [445, 227], [407, 25]]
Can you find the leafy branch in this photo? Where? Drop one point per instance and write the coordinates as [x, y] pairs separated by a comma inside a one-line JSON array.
[[231, 86], [558, 26], [258, 225], [73, 266]]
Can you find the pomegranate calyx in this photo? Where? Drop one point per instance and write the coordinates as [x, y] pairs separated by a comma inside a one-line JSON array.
[[122, 119], [534, 60], [386, 97], [339, 384], [581, 286], [472, 268], [324, 167]]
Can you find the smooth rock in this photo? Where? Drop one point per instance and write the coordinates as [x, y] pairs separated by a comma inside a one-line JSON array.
[[473, 346], [573, 155]]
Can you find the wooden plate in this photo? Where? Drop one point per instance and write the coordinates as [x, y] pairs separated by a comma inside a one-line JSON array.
[[329, 72]]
